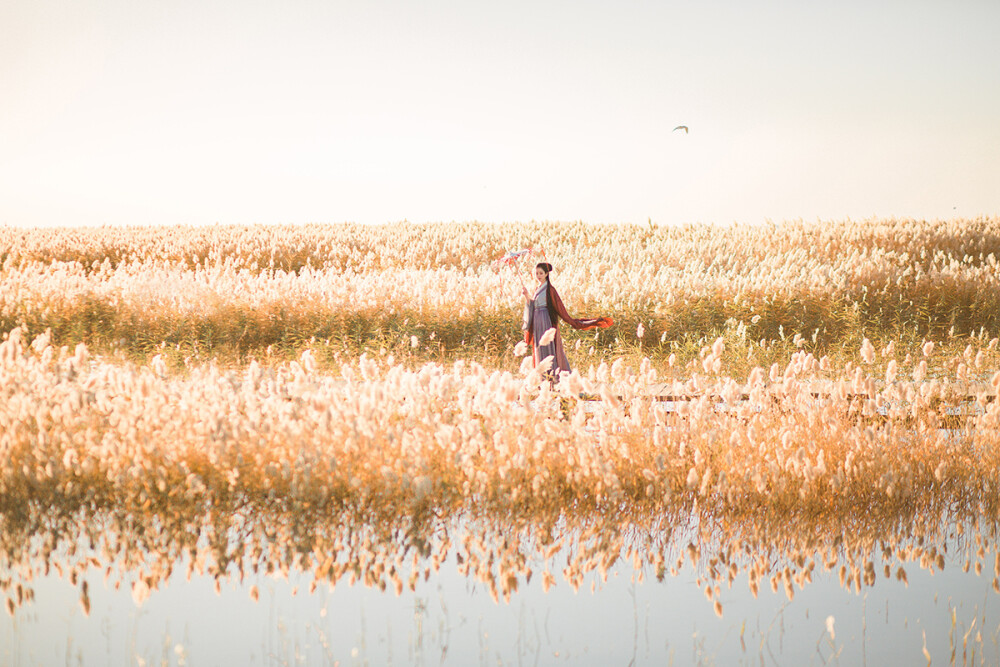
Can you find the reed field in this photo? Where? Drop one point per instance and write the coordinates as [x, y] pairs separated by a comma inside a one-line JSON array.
[[433, 292], [353, 402]]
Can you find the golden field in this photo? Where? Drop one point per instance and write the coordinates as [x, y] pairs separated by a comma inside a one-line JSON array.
[[238, 291], [350, 401]]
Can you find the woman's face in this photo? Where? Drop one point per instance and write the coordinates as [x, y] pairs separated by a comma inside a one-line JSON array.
[[540, 274]]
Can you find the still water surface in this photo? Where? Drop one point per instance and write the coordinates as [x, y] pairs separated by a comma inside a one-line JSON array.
[[453, 619]]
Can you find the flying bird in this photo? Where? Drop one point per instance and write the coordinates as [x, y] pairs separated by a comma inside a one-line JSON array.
[[681, 127]]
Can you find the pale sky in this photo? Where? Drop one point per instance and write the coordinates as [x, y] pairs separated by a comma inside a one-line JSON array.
[[234, 111]]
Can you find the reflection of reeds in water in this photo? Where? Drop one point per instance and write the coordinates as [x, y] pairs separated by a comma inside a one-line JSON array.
[[378, 477], [142, 552]]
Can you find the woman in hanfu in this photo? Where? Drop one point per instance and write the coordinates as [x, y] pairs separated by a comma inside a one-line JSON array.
[[542, 311]]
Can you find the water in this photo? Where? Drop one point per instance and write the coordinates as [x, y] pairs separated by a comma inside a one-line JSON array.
[[452, 618]]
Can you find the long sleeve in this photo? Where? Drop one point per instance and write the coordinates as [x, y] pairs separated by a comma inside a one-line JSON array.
[[584, 324], [526, 322]]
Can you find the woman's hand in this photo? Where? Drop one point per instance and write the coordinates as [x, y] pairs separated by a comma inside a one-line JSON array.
[[524, 291]]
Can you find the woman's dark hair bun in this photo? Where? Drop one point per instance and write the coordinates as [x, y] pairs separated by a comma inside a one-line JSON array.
[[544, 266]]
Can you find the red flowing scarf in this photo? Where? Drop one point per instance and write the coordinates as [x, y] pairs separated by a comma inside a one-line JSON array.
[[558, 311]]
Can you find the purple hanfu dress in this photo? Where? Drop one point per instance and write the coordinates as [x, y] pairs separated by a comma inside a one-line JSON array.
[[537, 320]]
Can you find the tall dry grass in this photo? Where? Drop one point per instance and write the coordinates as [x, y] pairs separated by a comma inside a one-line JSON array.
[[335, 448], [243, 289], [380, 467]]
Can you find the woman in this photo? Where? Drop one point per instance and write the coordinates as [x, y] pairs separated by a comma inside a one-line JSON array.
[[542, 311]]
